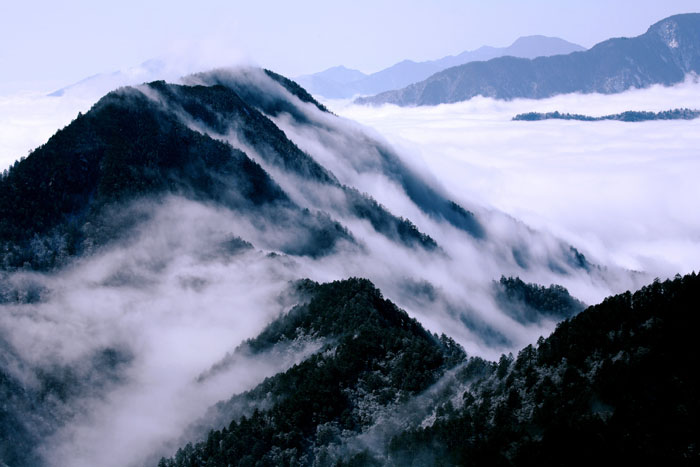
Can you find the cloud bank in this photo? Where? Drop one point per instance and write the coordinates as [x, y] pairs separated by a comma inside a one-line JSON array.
[[623, 191]]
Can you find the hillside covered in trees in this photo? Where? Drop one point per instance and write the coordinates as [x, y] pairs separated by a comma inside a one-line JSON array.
[[614, 382], [629, 116]]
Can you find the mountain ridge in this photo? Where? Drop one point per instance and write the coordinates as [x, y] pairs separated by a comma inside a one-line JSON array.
[[665, 54], [503, 408], [341, 82]]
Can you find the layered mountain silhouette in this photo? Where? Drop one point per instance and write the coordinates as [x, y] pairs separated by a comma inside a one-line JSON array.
[[665, 54], [177, 240], [341, 82]]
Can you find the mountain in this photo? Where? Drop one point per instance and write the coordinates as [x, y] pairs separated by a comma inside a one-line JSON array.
[[102, 83], [340, 82], [665, 54], [178, 257], [372, 356], [540, 46], [128, 147], [333, 82], [615, 382]]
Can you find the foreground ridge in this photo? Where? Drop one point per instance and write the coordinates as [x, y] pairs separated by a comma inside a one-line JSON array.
[[613, 382]]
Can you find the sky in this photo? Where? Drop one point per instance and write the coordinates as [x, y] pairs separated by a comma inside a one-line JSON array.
[[45, 45]]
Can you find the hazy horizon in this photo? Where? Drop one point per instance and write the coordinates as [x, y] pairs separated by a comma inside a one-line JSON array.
[[48, 46]]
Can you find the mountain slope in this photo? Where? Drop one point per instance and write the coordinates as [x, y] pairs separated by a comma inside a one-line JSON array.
[[340, 82], [615, 382], [374, 356], [665, 54], [127, 147], [530, 303]]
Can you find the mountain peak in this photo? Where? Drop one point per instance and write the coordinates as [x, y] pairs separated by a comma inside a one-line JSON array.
[[339, 82], [541, 46], [676, 31]]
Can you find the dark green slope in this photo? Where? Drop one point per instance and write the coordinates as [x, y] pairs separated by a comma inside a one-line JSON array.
[[129, 147], [126, 147], [374, 356], [248, 85], [295, 89], [615, 384], [231, 104], [531, 303], [665, 54], [222, 109]]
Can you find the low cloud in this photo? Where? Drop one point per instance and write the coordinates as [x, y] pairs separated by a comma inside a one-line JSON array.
[[28, 120], [622, 191]]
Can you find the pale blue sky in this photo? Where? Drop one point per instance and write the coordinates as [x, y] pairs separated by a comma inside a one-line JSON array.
[[48, 44]]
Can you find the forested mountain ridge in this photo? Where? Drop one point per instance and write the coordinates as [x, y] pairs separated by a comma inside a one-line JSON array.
[[374, 357], [530, 303], [216, 139], [65, 197], [614, 382], [665, 54]]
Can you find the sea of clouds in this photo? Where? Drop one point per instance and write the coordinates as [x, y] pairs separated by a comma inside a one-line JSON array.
[[624, 191]]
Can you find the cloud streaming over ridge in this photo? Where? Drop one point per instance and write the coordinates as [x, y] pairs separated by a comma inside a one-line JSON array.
[[624, 191]]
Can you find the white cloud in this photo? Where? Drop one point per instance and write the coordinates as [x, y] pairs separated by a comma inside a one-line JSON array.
[[28, 120], [624, 191]]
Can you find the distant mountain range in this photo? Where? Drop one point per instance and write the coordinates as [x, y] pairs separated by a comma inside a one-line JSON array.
[[336, 82], [665, 54], [101, 83], [341, 82]]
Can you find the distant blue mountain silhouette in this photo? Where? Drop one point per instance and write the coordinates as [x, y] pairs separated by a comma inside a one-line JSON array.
[[665, 54], [341, 82]]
